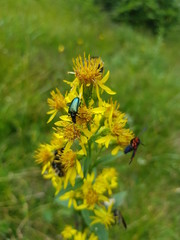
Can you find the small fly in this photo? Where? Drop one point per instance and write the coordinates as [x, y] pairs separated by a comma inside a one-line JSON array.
[[118, 217]]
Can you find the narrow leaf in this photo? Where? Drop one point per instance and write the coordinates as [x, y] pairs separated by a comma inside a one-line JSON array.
[[107, 159]]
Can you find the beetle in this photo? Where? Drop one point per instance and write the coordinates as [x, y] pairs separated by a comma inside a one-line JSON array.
[[73, 108], [133, 146]]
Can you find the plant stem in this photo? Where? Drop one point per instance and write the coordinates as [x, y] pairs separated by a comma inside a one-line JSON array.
[[88, 159]]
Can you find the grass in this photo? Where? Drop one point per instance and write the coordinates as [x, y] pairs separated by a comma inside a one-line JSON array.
[[144, 70]]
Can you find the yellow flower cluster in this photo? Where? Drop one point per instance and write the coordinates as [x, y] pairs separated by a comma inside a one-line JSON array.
[[86, 123], [70, 233], [94, 191]]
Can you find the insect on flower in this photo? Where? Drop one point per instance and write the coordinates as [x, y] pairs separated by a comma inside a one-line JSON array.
[[73, 108], [134, 143], [101, 69], [56, 164], [118, 217]]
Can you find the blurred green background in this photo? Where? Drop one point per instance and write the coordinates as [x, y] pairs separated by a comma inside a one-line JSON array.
[[144, 70]]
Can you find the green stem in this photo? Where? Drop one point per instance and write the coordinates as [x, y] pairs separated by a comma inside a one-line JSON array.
[[88, 159]]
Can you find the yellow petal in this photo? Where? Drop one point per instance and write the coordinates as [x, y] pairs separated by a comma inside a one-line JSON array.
[[65, 118], [106, 140], [69, 203], [82, 206], [83, 139], [87, 133], [68, 146], [78, 166], [105, 78], [72, 177], [83, 148], [107, 89], [95, 221], [51, 117], [52, 111], [81, 91], [115, 150], [68, 174], [98, 110], [74, 203], [69, 83], [80, 152], [97, 92]]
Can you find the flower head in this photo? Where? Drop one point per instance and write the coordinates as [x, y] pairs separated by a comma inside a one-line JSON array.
[[89, 73], [68, 232], [44, 155], [71, 233], [107, 180], [114, 128], [88, 70], [71, 165], [103, 216], [56, 103]]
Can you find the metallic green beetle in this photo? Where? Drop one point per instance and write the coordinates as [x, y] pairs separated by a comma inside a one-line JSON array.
[[73, 108]]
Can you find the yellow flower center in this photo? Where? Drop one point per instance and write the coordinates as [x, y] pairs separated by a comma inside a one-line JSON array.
[[91, 197], [68, 160], [116, 129], [44, 155], [71, 132], [84, 115]]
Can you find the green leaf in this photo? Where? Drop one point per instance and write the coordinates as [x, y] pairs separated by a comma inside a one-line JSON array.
[[119, 198], [107, 159], [100, 231], [86, 216], [63, 203]]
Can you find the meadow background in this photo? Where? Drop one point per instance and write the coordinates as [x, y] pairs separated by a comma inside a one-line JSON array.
[[38, 40]]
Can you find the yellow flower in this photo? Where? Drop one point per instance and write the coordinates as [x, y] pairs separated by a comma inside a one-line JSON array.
[[112, 112], [68, 232], [89, 72], [64, 167], [56, 103], [71, 196], [93, 237], [114, 128], [61, 48], [123, 140], [71, 132], [68, 131], [56, 142], [103, 216], [90, 195], [71, 233], [71, 165], [87, 118], [44, 155], [80, 236], [106, 181], [57, 182]]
